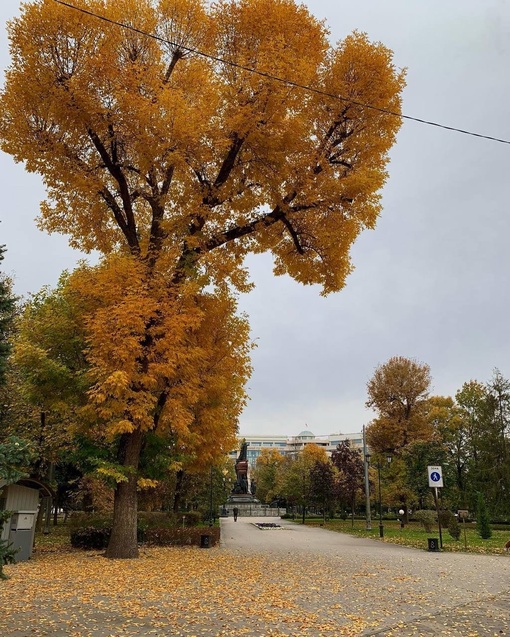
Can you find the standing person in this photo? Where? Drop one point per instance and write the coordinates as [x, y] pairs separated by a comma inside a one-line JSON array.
[[236, 512]]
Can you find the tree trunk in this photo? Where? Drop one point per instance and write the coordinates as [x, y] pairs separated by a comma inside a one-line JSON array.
[[178, 491], [123, 542]]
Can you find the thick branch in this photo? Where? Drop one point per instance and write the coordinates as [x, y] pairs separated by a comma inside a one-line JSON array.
[[177, 55], [293, 234], [229, 161], [116, 172]]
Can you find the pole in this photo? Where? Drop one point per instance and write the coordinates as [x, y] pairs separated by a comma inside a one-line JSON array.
[[211, 501], [381, 527], [438, 517], [367, 485]]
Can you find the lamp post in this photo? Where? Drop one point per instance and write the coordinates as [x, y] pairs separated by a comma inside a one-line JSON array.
[[366, 460], [381, 527]]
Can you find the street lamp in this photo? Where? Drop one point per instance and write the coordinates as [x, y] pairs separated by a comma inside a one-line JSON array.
[[381, 527], [367, 492], [366, 460], [401, 513]]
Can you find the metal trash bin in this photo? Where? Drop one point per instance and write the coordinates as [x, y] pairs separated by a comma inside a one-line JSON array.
[[433, 544], [205, 541]]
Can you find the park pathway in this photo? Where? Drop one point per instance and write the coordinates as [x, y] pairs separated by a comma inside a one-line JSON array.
[[402, 591]]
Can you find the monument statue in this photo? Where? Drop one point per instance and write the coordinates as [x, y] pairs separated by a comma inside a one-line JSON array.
[[243, 492], [241, 485]]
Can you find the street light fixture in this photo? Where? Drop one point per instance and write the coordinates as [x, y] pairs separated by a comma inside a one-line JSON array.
[[366, 459], [367, 493], [381, 527]]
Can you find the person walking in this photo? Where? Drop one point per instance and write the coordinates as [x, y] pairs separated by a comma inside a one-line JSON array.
[[236, 513]]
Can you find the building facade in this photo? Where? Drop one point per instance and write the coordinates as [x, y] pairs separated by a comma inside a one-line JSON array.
[[292, 445]]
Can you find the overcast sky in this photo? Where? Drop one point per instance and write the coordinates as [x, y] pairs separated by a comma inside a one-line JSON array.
[[430, 282]]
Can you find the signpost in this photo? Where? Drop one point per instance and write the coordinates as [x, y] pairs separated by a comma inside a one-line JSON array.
[[436, 481], [435, 477]]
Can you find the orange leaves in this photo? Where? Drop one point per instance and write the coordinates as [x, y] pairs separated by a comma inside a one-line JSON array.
[[145, 145], [162, 358]]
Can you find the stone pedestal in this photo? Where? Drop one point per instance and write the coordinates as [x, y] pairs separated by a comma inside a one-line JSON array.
[[251, 508]]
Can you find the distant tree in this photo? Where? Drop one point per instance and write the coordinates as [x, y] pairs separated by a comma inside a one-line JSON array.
[[322, 479], [483, 527], [349, 480], [451, 431], [293, 476], [265, 474], [7, 311], [398, 392], [417, 456], [484, 407]]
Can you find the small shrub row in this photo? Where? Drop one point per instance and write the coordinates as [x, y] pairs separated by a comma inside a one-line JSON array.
[[190, 536], [90, 538], [146, 520]]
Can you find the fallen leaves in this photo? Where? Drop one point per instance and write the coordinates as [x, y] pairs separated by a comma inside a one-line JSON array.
[[191, 592]]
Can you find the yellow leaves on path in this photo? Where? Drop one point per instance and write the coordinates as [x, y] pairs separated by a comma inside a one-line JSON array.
[[174, 591]]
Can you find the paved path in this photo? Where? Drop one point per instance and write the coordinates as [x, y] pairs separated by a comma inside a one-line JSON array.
[[417, 593]]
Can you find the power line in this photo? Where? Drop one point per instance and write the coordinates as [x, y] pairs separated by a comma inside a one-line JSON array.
[[275, 78]]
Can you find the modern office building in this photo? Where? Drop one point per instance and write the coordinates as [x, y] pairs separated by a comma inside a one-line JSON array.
[[291, 445]]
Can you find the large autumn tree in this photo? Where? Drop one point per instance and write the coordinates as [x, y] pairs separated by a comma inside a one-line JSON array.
[[398, 392], [185, 162]]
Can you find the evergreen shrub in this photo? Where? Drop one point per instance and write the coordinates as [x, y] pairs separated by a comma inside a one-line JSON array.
[[454, 528], [483, 526], [426, 518]]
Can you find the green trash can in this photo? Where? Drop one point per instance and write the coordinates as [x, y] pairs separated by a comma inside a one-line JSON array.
[[433, 544]]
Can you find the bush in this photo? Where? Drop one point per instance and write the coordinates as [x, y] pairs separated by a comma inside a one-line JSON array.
[[454, 528], [445, 518], [193, 518], [426, 518], [81, 520], [90, 538], [181, 537], [156, 520]]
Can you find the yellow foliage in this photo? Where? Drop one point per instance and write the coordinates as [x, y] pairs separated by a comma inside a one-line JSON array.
[[313, 453], [111, 472], [145, 483], [175, 166], [190, 163]]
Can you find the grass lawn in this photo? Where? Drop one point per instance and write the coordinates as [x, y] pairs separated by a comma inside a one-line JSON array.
[[413, 534]]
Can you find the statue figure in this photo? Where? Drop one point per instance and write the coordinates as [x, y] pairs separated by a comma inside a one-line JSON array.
[[241, 485], [253, 487]]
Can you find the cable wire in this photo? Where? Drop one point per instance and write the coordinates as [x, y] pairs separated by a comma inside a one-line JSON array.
[[275, 78]]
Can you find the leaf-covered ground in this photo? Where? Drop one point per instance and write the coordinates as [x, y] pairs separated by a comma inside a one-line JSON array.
[[174, 591], [306, 582]]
